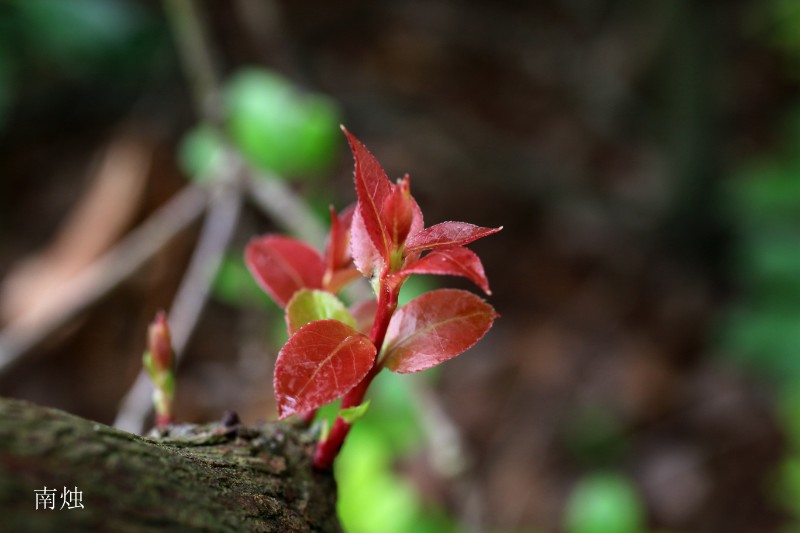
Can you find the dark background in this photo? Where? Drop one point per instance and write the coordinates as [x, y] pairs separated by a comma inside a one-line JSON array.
[[610, 138]]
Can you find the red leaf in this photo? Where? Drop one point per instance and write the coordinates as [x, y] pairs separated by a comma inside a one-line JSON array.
[[417, 224], [398, 211], [417, 220], [341, 278], [455, 261], [372, 189], [367, 259], [364, 312], [337, 248], [282, 266], [447, 234], [320, 363], [435, 327], [339, 269]]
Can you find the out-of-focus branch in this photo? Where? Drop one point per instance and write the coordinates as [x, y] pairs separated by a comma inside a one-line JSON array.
[[215, 236], [278, 201], [196, 57], [269, 193], [95, 223], [24, 334]]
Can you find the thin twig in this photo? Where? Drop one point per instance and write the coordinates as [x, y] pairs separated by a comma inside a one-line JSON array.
[[26, 333], [278, 201], [268, 192], [196, 57], [217, 232]]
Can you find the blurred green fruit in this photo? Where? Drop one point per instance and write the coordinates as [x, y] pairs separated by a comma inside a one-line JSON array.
[[604, 503], [279, 128], [200, 153]]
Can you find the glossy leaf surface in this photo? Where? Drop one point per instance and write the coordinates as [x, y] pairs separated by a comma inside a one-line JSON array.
[[372, 190], [456, 261], [320, 363], [435, 327], [366, 257], [337, 248], [282, 266], [309, 305], [447, 234], [398, 212]]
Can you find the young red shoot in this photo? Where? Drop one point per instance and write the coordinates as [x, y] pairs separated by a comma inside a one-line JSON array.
[[335, 352], [159, 361]]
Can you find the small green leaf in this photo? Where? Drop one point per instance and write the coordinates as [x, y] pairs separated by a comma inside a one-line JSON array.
[[602, 503], [324, 429], [277, 127], [201, 153], [168, 384], [309, 305], [147, 361], [351, 414]]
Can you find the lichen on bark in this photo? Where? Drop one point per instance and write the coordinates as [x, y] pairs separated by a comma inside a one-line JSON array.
[[216, 477]]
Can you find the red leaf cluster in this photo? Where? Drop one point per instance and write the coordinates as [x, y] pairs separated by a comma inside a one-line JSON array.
[[384, 239]]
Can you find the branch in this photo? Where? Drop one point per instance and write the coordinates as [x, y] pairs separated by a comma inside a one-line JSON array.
[[195, 57], [218, 477], [192, 295], [281, 204], [26, 333]]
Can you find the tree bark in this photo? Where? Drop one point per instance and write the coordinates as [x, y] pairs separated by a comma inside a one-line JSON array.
[[217, 477]]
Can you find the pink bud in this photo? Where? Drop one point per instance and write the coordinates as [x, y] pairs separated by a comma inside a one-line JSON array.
[[160, 343], [398, 212]]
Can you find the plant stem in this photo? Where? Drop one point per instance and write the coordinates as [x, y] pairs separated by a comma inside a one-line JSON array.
[[196, 56], [328, 449], [215, 235]]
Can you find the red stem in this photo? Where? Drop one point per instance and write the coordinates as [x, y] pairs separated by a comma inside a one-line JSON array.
[[328, 449], [163, 421]]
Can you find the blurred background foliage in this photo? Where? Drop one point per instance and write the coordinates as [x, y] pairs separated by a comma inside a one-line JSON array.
[[643, 157]]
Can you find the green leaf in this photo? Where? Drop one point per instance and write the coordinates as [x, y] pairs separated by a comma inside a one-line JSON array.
[[371, 496], [604, 503], [351, 414], [79, 34], [764, 340], [787, 489], [309, 305], [168, 384], [277, 127], [788, 408], [147, 361], [765, 192], [201, 153], [324, 429]]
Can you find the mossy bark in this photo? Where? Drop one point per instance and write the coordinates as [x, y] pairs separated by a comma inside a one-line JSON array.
[[219, 477]]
